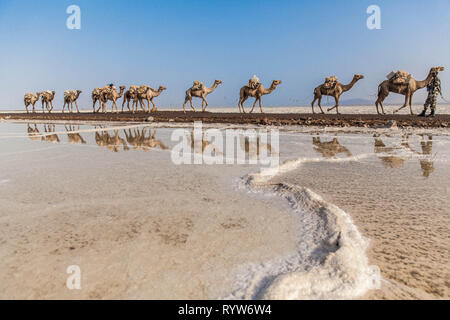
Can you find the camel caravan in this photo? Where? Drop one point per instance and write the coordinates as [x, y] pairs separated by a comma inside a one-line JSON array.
[[400, 82]]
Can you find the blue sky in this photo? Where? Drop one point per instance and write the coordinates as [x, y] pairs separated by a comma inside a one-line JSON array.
[[172, 43]]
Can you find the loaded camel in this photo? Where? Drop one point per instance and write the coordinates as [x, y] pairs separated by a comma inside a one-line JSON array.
[[110, 93], [131, 94], [199, 92], [406, 89], [257, 93], [31, 98], [335, 92], [71, 96], [47, 98], [149, 94]]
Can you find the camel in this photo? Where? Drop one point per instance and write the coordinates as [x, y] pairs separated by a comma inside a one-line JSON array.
[[110, 93], [47, 98], [131, 94], [149, 94], [257, 93], [96, 97], [336, 93], [31, 98], [71, 96], [74, 138], [331, 148], [407, 90], [200, 93]]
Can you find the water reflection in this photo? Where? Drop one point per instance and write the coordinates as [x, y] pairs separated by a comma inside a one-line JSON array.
[[255, 148], [330, 149], [143, 139], [74, 137], [111, 142], [49, 128], [391, 156]]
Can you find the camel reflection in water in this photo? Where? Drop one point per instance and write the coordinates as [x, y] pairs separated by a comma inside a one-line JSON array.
[[47, 135], [111, 142], [390, 158], [140, 140], [73, 137], [256, 148], [330, 149]]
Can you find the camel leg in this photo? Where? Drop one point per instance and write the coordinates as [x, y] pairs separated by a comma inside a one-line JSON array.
[[319, 103], [312, 104], [184, 104], [204, 102], [154, 109], [241, 103], [404, 105], [260, 105], [33, 108], [410, 104], [123, 104], [26, 107], [336, 99], [76, 104], [43, 107], [254, 104], [192, 106]]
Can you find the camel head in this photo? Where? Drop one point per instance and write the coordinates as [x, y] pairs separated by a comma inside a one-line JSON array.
[[435, 70], [218, 81], [358, 77], [122, 88], [276, 82], [162, 88], [79, 92]]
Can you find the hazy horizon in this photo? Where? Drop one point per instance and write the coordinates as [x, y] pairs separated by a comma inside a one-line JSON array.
[[172, 43]]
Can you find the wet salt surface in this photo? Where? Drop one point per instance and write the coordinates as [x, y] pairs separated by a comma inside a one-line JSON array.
[[79, 192]]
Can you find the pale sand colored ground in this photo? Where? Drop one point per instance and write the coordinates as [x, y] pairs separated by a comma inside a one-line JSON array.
[[142, 229], [138, 226], [404, 213]]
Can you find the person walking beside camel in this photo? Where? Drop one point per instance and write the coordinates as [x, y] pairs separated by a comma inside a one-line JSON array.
[[433, 88]]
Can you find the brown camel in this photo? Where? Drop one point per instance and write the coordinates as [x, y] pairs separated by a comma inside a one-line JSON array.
[[336, 92], [71, 96], [200, 93], [31, 98], [149, 94], [110, 93], [47, 98], [257, 93], [131, 94], [407, 90], [96, 97]]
